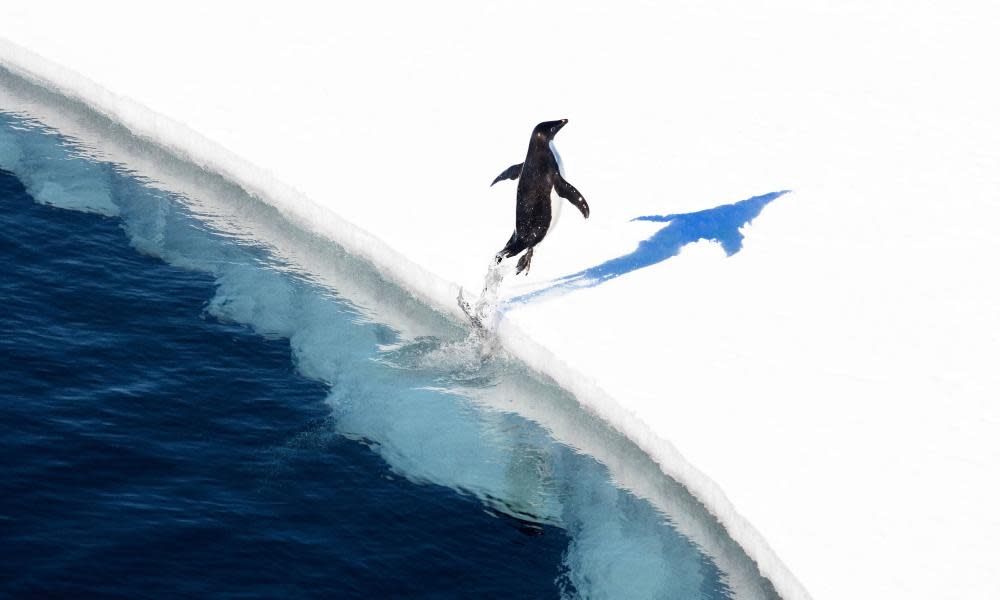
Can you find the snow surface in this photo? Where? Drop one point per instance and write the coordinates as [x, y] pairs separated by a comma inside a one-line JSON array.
[[829, 389]]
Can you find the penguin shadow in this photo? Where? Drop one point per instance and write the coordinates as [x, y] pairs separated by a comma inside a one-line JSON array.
[[720, 224]]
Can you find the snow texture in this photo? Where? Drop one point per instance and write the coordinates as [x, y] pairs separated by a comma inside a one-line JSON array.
[[817, 366]]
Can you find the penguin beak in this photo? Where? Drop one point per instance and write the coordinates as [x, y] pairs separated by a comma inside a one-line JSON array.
[[562, 123]]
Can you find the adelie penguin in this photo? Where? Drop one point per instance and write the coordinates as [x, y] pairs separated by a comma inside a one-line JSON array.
[[537, 177]]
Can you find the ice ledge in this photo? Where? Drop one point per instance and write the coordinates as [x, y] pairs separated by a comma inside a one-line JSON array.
[[190, 146]]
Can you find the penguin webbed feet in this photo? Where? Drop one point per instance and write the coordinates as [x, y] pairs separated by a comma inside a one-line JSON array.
[[524, 263]]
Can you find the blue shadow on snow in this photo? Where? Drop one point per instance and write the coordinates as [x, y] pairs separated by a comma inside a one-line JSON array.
[[720, 224]]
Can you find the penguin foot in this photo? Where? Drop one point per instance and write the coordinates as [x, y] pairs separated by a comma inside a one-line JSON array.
[[524, 264]]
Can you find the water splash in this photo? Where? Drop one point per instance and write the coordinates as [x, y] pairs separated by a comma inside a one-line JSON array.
[[483, 312]]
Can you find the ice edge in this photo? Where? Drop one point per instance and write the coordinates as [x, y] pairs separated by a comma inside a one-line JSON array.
[[192, 147]]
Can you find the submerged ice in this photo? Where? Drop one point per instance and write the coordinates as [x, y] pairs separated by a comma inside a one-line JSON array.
[[401, 378]]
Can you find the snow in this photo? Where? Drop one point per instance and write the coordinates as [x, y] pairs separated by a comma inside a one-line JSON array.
[[829, 390]]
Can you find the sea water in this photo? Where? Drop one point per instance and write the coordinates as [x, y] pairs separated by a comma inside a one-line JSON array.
[[199, 398]]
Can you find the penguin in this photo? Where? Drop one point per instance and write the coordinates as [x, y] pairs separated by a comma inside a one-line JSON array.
[[537, 176]]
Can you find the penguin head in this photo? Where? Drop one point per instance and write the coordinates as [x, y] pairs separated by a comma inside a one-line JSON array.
[[548, 130]]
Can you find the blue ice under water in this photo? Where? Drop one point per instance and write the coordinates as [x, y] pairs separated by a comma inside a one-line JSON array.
[[187, 412]]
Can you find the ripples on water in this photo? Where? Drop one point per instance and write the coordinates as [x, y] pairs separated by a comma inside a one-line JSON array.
[[198, 398]]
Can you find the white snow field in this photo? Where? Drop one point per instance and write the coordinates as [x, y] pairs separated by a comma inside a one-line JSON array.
[[830, 390]]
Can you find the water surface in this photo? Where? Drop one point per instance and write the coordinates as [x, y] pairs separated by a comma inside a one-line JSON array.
[[199, 397]]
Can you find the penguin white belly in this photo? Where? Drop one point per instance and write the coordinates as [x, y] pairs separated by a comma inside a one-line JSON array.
[[554, 200], [556, 203]]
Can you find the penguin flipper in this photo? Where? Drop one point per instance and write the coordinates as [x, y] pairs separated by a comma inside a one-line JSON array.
[[567, 191], [512, 172]]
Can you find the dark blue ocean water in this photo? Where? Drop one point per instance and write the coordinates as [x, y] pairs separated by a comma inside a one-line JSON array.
[[185, 410], [151, 450]]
